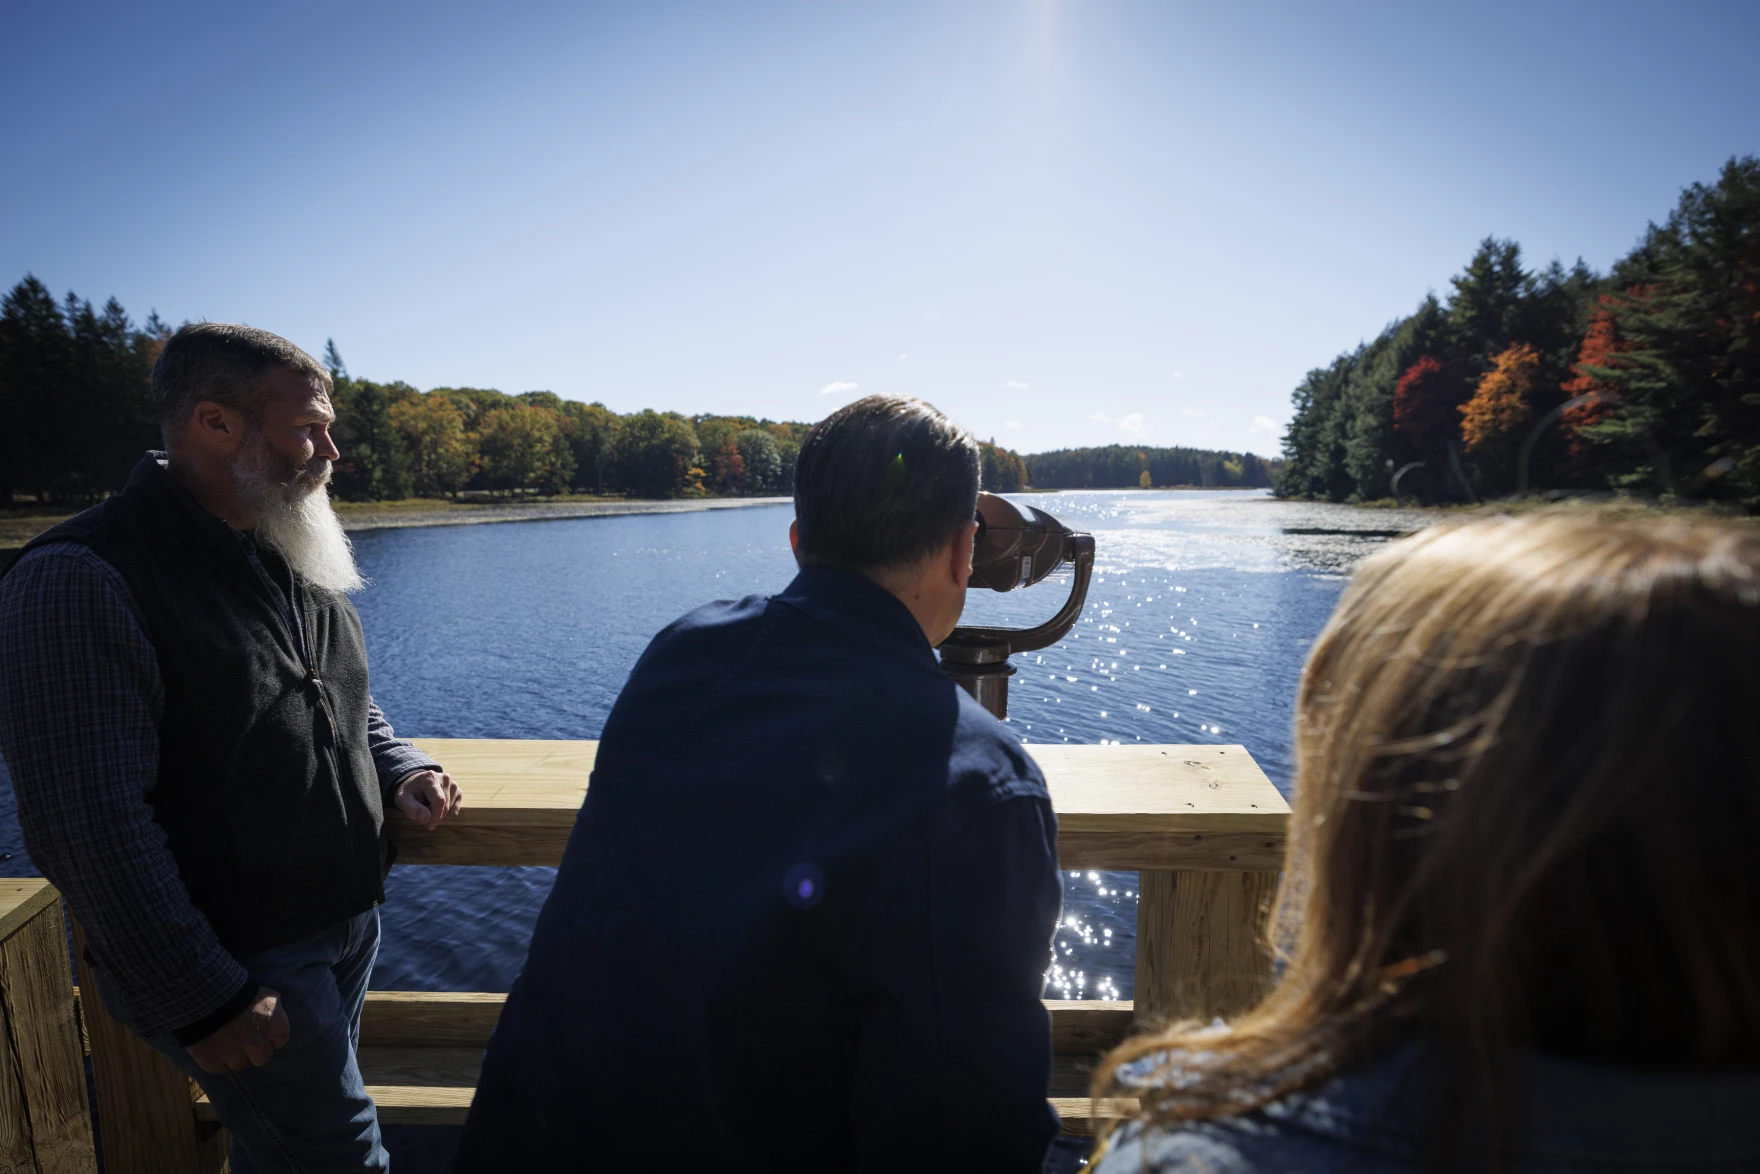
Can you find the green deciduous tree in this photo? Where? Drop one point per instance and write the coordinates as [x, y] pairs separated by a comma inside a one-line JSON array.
[[522, 447], [374, 465], [655, 454], [1118, 466], [442, 455], [762, 460], [1002, 470], [591, 430]]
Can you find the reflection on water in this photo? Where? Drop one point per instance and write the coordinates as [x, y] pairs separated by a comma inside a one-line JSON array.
[[1202, 608]]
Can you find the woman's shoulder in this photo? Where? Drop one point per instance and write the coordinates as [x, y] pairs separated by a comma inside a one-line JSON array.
[[1250, 1144], [1360, 1122]]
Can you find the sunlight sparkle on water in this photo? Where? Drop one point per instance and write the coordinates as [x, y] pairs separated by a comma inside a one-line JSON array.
[[592, 592]]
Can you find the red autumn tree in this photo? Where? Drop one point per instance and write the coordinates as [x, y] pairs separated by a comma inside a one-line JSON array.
[[1504, 399], [729, 468], [1423, 403], [1601, 343]]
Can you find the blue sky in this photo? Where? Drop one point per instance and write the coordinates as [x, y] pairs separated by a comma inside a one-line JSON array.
[[1063, 223]]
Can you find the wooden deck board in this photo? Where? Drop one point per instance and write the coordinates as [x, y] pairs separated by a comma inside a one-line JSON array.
[[411, 1086], [1118, 807]]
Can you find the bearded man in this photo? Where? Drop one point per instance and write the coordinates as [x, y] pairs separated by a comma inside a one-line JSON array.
[[199, 765]]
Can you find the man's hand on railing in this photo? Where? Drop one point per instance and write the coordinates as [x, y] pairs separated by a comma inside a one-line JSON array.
[[249, 1039], [429, 798]]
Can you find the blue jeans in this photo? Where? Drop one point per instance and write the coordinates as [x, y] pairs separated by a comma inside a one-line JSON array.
[[307, 1109]]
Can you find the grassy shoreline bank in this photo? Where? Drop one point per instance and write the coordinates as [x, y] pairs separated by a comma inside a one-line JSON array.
[[19, 526]]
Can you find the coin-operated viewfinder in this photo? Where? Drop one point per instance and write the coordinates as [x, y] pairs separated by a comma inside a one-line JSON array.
[[1017, 546]]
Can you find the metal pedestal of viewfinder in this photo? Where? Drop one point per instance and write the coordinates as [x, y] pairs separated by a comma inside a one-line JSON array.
[[977, 657]]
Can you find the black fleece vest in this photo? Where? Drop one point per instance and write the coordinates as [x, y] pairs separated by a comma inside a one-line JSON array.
[[266, 789]]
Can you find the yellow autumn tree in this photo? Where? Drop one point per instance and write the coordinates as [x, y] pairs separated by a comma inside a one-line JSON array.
[[1502, 402], [442, 454]]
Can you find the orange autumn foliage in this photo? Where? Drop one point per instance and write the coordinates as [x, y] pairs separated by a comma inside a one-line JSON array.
[[1502, 401]]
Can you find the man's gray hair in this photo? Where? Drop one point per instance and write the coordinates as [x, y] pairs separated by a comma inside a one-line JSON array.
[[226, 364]]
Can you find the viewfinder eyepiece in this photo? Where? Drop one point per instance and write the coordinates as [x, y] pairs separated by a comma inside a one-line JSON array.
[[1016, 545]]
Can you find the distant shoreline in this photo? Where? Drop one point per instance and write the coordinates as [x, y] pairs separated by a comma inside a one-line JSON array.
[[358, 517], [362, 516]]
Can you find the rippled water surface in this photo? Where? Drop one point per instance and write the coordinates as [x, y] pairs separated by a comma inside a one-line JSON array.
[[1202, 608]]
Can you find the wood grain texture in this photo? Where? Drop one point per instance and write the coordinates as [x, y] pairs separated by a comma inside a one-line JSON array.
[[21, 899], [1221, 964], [1088, 1027], [429, 1019], [1131, 851], [43, 1048], [1152, 991], [146, 1118], [1080, 1115], [1118, 807], [411, 1086], [1201, 950]]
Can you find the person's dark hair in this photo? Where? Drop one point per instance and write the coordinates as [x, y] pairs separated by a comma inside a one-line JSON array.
[[226, 364], [882, 483]]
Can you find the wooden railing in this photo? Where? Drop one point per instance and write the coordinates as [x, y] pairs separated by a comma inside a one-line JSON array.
[[45, 1125], [1202, 826]]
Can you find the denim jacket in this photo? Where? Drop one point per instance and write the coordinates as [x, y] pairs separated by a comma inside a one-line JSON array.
[[1576, 1117]]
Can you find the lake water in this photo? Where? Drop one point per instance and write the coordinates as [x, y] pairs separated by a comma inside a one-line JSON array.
[[1202, 608]]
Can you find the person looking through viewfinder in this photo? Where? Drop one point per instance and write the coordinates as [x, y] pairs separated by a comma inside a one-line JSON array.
[[1520, 896], [804, 918]]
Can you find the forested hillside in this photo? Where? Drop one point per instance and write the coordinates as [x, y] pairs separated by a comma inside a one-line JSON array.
[[1119, 466], [74, 390], [1644, 380]]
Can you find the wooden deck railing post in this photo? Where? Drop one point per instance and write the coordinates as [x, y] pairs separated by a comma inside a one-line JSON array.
[[1201, 950], [44, 1124], [146, 1107]]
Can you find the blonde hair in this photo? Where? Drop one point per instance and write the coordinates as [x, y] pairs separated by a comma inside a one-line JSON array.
[[1528, 785]]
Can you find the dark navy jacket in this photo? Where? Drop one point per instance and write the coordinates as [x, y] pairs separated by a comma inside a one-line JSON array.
[[802, 922]]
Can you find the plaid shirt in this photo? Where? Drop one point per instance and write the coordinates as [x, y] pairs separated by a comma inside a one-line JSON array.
[[80, 702]]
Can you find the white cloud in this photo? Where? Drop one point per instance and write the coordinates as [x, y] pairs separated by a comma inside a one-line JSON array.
[[903, 357], [1179, 374], [1016, 424], [1264, 424], [1133, 423], [1015, 385], [840, 385]]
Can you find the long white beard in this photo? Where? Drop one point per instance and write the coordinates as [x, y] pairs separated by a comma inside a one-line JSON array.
[[296, 518]]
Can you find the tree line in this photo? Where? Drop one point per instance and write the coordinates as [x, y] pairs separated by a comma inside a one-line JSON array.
[[74, 387], [1645, 380], [1119, 466]]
